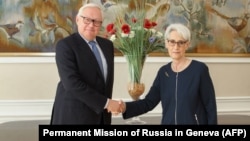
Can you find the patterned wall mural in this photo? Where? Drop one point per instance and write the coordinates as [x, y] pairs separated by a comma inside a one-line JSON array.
[[218, 26]]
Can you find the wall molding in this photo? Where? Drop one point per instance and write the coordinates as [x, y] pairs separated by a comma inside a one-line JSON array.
[[121, 59], [16, 110]]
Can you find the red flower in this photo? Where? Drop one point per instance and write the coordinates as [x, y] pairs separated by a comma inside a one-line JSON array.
[[110, 29], [125, 28], [134, 20], [147, 24]]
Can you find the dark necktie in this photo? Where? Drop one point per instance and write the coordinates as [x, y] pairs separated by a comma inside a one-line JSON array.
[[97, 54]]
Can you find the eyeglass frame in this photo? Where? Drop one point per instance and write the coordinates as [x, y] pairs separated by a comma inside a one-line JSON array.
[[178, 43], [87, 20]]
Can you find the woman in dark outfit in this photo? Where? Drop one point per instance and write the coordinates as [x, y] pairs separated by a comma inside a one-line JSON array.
[[183, 86]]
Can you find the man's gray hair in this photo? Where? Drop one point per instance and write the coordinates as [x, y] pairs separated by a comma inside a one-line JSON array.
[[88, 5]]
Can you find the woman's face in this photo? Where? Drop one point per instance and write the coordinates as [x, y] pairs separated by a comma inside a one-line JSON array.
[[176, 45]]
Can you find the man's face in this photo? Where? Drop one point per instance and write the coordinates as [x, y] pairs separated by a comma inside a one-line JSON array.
[[89, 23]]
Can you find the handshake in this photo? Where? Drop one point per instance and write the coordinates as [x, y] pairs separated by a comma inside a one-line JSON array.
[[116, 107]]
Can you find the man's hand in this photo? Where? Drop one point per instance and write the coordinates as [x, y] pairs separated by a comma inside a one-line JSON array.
[[116, 107]]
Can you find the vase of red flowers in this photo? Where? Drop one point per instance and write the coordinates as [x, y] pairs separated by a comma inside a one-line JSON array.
[[133, 34]]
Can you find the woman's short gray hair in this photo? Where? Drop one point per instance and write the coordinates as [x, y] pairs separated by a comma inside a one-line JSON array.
[[180, 28]]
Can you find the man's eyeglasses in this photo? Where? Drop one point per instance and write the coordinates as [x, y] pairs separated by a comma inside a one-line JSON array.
[[88, 21], [179, 43]]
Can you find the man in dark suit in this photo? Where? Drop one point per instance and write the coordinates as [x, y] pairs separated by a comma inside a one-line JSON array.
[[84, 92]]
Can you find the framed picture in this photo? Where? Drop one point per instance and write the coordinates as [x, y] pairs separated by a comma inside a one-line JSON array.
[[218, 27]]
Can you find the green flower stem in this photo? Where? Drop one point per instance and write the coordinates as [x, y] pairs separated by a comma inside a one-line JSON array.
[[135, 66]]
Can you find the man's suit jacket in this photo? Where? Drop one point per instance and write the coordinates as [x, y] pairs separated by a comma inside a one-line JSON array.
[[82, 91]]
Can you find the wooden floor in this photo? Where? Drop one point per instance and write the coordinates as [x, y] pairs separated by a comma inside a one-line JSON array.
[[28, 130]]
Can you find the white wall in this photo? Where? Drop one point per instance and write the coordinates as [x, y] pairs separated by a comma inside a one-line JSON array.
[[28, 84]]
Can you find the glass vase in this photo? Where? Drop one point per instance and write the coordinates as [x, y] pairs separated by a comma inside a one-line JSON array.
[[135, 87]]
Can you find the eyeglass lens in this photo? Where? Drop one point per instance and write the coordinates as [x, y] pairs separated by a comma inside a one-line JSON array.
[[88, 21], [179, 43]]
